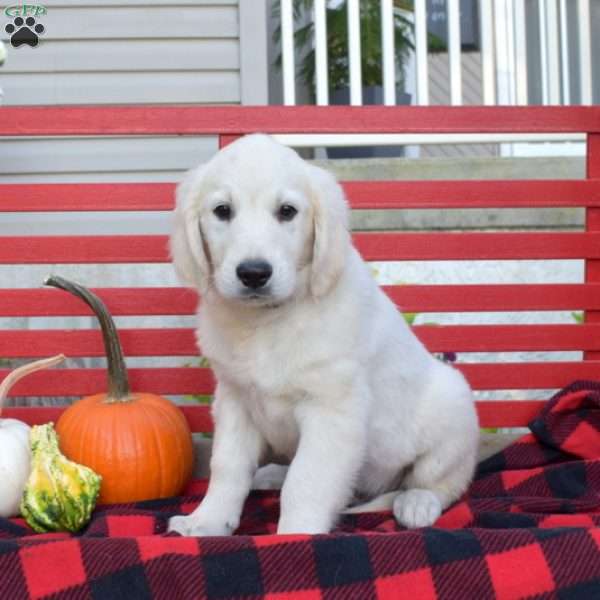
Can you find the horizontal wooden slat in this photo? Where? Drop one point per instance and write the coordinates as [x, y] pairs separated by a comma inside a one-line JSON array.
[[491, 414], [88, 342], [152, 159], [480, 246], [373, 246], [74, 22], [410, 298], [198, 417], [181, 341], [80, 382], [56, 197], [522, 376], [108, 55], [83, 249], [119, 301], [194, 380], [119, 120], [361, 195], [472, 194], [509, 338], [494, 297], [134, 86], [507, 413]]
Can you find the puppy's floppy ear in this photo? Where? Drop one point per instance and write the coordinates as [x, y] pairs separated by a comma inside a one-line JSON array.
[[186, 245], [332, 240]]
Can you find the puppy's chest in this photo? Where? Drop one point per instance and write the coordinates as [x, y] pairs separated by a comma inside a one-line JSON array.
[[274, 417], [270, 364], [271, 398], [266, 374]]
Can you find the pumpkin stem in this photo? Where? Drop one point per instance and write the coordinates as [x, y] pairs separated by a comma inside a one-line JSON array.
[[118, 384], [20, 372]]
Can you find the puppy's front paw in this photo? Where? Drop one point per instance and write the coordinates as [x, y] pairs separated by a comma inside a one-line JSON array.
[[192, 526], [417, 508]]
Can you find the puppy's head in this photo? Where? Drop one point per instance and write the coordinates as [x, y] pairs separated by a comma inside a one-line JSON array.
[[259, 226]]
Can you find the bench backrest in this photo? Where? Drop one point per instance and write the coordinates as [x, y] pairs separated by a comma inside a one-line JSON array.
[[231, 122]]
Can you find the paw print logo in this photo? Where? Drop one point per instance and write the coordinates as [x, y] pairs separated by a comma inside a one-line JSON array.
[[24, 31]]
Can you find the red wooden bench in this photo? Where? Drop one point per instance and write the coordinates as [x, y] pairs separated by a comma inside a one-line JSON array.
[[231, 122]]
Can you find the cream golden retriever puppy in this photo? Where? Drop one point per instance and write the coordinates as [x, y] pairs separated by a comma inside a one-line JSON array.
[[314, 364]]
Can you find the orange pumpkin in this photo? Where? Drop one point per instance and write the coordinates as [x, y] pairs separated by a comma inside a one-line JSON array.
[[139, 443]]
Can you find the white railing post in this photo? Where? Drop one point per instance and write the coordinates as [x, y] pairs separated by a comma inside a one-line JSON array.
[[488, 75], [421, 53], [504, 52], [520, 55], [543, 53], [322, 79], [553, 51], [585, 51], [564, 54], [287, 52], [454, 50], [388, 52], [354, 57]]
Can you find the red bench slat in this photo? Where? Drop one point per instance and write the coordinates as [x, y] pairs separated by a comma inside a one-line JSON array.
[[80, 382], [58, 197], [195, 380], [55, 197], [528, 376], [508, 413], [83, 249], [373, 246], [497, 413], [509, 338], [471, 194], [410, 298], [494, 297], [88, 342], [198, 417], [198, 120], [181, 341], [477, 246], [119, 301]]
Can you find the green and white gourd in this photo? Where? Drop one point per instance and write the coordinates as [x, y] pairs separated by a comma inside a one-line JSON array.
[[14, 443], [60, 494]]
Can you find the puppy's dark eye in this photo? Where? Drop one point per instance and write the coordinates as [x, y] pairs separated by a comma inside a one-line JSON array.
[[223, 212], [286, 212]]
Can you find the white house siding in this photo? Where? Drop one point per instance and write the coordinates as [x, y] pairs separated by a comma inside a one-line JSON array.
[[96, 52]]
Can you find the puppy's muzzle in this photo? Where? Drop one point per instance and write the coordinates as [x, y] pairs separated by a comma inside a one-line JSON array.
[[254, 274]]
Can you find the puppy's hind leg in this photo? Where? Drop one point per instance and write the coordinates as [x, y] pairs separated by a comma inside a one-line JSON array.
[[437, 479], [270, 477]]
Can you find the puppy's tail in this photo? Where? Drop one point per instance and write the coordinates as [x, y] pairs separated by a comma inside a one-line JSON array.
[[383, 502]]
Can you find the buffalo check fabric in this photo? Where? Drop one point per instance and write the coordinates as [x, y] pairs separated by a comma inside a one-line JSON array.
[[529, 527]]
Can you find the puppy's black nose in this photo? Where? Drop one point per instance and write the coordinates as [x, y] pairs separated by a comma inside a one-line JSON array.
[[254, 274]]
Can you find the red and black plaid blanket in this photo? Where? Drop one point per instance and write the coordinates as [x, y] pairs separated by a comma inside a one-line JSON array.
[[529, 526]]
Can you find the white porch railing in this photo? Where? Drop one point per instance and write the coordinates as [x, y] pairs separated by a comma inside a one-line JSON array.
[[505, 39], [503, 42]]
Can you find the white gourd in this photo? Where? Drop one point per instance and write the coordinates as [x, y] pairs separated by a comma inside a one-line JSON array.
[[15, 453]]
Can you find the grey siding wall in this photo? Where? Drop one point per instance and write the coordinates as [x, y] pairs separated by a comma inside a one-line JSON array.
[[439, 91], [96, 159], [153, 51]]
